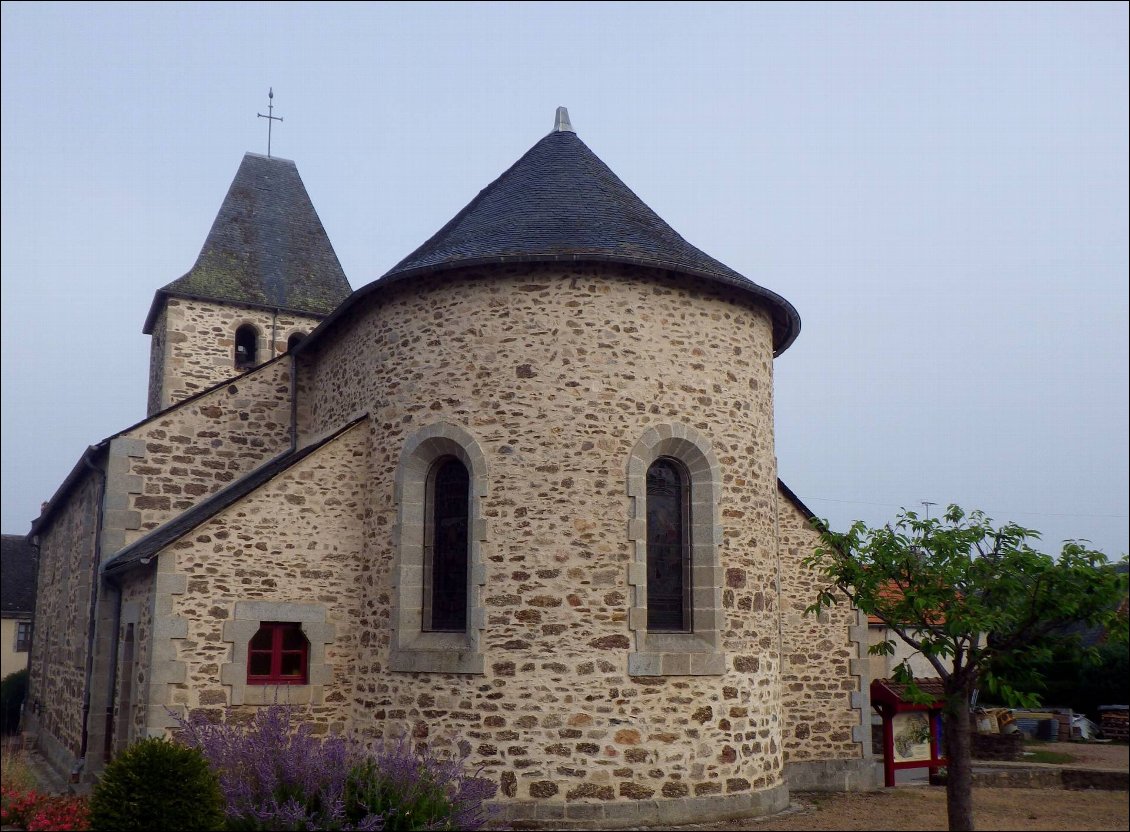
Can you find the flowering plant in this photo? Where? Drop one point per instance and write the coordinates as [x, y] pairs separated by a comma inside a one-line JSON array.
[[36, 812], [275, 774], [17, 805], [415, 789], [60, 814]]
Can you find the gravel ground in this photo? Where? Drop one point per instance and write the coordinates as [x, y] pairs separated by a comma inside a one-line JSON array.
[[924, 807]]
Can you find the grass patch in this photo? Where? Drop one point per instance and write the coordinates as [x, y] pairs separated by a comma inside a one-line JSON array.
[[1033, 753], [15, 772]]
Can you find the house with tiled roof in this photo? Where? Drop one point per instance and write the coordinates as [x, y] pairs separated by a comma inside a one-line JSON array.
[[17, 602], [883, 665], [520, 491]]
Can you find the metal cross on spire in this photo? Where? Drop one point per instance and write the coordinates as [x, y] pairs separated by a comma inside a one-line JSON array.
[[270, 117]]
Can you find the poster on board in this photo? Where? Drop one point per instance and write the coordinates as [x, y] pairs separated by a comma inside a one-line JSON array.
[[912, 737]]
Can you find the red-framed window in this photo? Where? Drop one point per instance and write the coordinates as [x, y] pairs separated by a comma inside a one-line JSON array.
[[279, 654]]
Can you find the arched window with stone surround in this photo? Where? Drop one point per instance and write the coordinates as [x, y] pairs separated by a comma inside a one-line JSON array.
[[246, 347], [446, 547], [669, 576], [675, 532], [438, 615]]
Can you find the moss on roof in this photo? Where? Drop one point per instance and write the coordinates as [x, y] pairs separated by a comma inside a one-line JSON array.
[[267, 247]]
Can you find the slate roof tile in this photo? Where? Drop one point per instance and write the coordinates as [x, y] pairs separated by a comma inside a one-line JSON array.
[[267, 247], [560, 201], [17, 575]]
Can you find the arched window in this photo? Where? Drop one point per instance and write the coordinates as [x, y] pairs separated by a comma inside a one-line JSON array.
[[446, 549], [278, 654], [675, 530], [438, 614], [294, 340], [668, 548], [246, 347]]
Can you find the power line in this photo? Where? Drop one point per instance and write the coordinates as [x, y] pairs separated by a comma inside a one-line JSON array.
[[1010, 513]]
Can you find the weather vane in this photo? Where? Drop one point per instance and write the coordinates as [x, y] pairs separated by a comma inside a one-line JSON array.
[[270, 117]]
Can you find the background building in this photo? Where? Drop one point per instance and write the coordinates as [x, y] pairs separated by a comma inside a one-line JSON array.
[[17, 602]]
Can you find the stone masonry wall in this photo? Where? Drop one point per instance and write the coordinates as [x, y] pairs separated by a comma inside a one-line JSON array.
[[199, 344], [174, 460], [137, 609], [557, 374], [296, 542], [820, 675], [59, 646]]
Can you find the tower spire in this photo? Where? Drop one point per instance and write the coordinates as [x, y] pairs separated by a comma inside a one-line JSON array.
[[561, 123], [270, 117]]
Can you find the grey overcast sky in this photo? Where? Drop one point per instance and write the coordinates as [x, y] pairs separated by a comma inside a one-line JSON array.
[[940, 190]]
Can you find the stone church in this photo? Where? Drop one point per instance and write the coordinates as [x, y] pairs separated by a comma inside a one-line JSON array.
[[520, 492]]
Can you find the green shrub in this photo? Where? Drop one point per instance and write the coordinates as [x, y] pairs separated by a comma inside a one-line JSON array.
[[156, 784], [13, 689]]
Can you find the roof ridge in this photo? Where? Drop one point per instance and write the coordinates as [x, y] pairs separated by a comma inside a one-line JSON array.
[[176, 527], [52, 503]]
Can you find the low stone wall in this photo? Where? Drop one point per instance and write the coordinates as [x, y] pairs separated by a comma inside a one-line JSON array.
[[659, 813], [1006, 747], [1050, 777], [834, 776], [1085, 778]]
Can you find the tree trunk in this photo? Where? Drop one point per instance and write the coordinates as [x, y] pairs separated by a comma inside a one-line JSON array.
[[959, 766]]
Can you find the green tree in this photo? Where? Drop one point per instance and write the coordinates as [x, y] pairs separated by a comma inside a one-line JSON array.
[[974, 600]]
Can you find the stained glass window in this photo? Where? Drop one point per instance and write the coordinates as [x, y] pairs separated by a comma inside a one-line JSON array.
[[446, 547], [668, 548]]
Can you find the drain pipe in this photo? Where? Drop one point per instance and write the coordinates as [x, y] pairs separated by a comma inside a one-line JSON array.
[[113, 674], [33, 539], [273, 351], [96, 560], [293, 402]]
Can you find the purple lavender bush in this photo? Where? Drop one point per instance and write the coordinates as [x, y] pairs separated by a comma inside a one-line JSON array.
[[275, 775], [414, 789]]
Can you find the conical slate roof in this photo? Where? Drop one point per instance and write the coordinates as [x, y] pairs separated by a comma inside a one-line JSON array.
[[267, 248], [560, 202]]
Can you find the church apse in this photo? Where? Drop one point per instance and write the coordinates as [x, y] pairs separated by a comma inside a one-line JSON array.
[[558, 340]]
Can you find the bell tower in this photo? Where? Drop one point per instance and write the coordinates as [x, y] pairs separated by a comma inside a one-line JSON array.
[[265, 277]]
